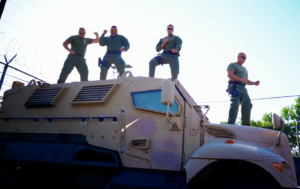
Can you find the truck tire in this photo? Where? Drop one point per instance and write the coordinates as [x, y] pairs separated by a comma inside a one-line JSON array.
[[10, 180], [233, 174]]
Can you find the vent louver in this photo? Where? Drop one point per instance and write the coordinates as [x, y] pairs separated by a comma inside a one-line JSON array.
[[219, 133], [96, 94], [45, 97]]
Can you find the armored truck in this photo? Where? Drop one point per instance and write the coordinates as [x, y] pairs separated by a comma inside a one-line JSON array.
[[132, 132]]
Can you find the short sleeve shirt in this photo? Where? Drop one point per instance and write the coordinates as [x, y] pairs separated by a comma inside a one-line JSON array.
[[79, 44], [238, 70]]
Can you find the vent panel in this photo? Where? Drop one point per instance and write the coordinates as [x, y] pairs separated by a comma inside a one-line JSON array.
[[44, 97], [94, 94], [219, 133]]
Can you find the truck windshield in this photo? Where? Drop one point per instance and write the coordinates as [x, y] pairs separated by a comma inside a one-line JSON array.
[[151, 100]]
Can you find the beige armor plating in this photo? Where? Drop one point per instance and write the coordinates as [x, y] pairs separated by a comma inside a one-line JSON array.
[[144, 138]]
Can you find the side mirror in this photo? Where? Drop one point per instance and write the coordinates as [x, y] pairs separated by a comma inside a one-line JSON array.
[[167, 98], [167, 92], [277, 121]]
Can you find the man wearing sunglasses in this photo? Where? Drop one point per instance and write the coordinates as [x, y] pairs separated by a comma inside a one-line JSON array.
[[171, 46], [238, 79], [76, 56], [116, 44]]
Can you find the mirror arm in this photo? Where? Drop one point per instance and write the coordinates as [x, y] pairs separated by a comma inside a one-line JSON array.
[[167, 115], [279, 134]]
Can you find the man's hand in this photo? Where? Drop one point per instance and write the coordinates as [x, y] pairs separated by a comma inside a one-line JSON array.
[[121, 49], [96, 33], [104, 32], [72, 52], [244, 80], [166, 40], [257, 83], [174, 50]]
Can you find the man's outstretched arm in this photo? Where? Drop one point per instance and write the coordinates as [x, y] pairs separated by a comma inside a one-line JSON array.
[[237, 78], [102, 41], [65, 44], [97, 38], [253, 83]]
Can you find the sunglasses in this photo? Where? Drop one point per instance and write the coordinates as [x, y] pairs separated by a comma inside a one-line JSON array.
[[113, 30], [81, 33], [170, 28], [243, 57]]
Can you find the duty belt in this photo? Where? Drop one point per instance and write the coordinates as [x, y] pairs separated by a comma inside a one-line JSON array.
[[233, 92], [170, 52], [79, 55], [113, 52], [235, 82]]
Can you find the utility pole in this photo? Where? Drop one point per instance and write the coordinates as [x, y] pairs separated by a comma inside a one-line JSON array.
[[2, 5]]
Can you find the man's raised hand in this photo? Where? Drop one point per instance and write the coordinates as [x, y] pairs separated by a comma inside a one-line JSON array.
[[96, 33], [256, 83], [166, 40], [105, 31]]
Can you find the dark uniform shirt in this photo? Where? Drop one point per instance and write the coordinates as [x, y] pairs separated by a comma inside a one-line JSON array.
[[79, 44], [114, 43], [174, 42]]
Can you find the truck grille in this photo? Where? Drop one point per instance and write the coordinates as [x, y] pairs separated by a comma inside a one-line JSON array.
[[93, 94], [43, 97], [219, 133]]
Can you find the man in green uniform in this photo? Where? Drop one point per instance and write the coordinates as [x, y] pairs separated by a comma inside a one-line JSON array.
[[116, 44], [76, 56], [171, 46], [238, 79]]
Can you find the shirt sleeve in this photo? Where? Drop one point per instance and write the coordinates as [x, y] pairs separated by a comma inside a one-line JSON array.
[[89, 40], [231, 67], [102, 41], [178, 42], [70, 39], [125, 43], [158, 48]]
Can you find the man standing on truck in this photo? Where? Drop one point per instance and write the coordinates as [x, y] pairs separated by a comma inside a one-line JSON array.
[[76, 56], [238, 79], [171, 46], [116, 44]]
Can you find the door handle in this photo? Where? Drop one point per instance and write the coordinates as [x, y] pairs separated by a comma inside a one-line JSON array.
[[142, 144]]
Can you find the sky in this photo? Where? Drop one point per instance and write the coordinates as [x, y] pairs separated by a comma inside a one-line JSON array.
[[213, 33]]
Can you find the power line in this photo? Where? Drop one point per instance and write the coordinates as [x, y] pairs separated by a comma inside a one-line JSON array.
[[36, 8], [23, 72], [13, 25], [17, 16], [266, 98], [16, 78], [22, 9]]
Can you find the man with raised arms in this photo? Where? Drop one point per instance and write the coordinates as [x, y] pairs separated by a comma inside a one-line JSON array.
[[171, 46], [238, 79], [76, 56], [116, 44]]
